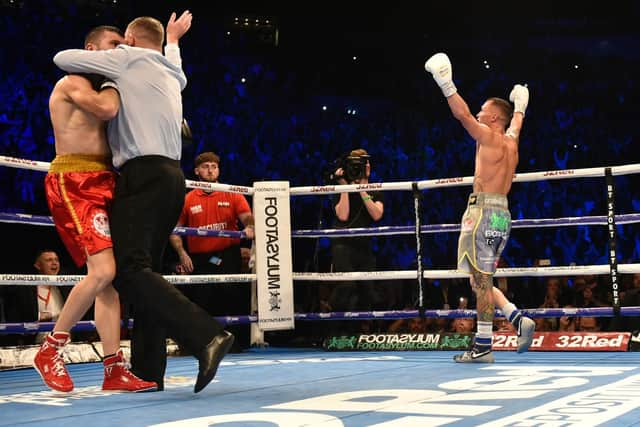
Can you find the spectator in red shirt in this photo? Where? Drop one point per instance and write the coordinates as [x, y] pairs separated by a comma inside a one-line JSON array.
[[214, 210]]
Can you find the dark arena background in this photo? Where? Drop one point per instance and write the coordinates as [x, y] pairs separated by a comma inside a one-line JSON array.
[[281, 91]]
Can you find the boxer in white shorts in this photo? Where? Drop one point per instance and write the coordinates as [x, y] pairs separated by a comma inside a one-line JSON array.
[[486, 222], [484, 232]]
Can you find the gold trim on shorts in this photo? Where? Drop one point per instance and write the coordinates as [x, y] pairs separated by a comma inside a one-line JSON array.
[[67, 201], [80, 163]]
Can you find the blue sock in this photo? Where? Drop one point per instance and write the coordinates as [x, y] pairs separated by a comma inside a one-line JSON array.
[[484, 335]]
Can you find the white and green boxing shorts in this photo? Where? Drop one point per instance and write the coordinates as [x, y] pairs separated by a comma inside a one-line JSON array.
[[484, 232]]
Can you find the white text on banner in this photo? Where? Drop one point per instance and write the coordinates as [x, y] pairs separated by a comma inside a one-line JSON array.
[[273, 255]]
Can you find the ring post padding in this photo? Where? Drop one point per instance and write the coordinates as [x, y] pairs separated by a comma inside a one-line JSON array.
[[274, 266], [611, 228], [417, 209]]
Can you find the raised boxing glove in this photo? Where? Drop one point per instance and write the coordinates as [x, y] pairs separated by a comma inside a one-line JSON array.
[[520, 97], [440, 67]]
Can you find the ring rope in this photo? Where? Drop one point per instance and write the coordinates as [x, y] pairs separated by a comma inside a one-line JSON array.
[[570, 270], [68, 280], [467, 180], [441, 228], [608, 172], [44, 167], [181, 231], [376, 231], [386, 186], [88, 325]]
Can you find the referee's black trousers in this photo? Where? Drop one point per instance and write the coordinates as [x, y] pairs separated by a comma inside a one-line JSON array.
[[149, 196]]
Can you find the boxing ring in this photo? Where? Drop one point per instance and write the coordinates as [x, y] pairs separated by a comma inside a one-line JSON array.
[[269, 386]]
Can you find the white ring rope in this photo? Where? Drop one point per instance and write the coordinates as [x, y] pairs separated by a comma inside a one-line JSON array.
[[569, 270], [69, 280], [44, 167], [467, 180], [385, 186]]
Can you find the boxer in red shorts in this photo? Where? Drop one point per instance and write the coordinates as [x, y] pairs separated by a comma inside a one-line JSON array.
[[79, 190]]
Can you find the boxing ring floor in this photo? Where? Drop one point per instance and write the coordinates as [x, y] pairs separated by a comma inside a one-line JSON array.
[[311, 387]]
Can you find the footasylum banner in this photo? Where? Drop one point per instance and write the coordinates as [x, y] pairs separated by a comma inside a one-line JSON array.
[[542, 341], [397, 342]]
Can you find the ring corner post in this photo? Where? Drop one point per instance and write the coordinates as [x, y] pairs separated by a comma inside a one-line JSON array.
[[274, 266]]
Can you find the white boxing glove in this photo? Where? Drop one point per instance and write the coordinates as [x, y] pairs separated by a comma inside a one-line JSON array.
[[520, 97], [440, 67]]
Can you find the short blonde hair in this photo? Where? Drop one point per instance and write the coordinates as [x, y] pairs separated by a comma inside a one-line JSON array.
[[505, 108], [148, 28]]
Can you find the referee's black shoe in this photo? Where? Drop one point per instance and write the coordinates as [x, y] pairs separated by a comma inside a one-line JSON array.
[[210, 357]]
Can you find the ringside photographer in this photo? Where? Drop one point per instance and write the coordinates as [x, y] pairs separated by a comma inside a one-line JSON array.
[[354, 210]]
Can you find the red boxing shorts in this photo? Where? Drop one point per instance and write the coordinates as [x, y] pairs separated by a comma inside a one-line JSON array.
[[79, 190]]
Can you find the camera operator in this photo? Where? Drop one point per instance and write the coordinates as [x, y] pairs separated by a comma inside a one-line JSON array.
[[355, 210]]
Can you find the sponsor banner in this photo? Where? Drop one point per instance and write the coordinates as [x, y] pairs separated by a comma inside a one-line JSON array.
[[567, 341], [397, 342], [543, 341], [634, 343], [22, 356], [273, 254], [74, 352]]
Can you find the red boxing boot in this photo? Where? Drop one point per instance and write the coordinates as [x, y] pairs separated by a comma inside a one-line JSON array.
[[117, 376], [49, 364]]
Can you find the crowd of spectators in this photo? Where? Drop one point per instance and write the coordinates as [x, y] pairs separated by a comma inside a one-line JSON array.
[[269, 118]]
